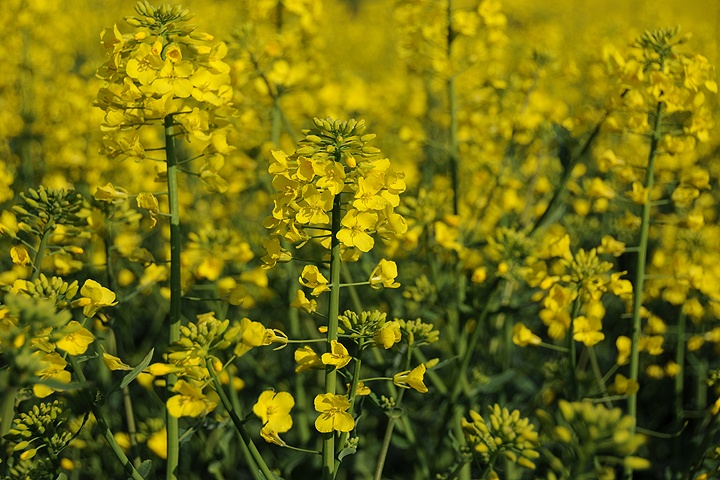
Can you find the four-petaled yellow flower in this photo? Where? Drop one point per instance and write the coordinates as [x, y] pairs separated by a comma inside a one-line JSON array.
[[355, 230], [95, 297], [412, 378], [307, 359], [338, 355], [274, 411], [76, 339], [312, 278], [384, 275], [333, 413], [191, 401], [388, 335]]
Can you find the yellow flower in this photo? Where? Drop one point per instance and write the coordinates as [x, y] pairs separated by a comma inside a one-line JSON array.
[[523, 336], [388, 335], [274, 411], [587, 331], [76, 340], [191, 401], [412, 379], [307, 359], [54, 369], [301, 302], [333, 413], [157, 443], [95, 297], [354, 232], [624, 346], [114, 363], [275, 253], [338, 355], [384, 275], [20, 256], [312, 278], [109, 192]]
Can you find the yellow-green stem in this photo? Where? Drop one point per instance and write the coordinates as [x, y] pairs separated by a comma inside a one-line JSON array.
[[572, 351], [173, 443], [328, 452], [640, 268], [105, 429], [40, 253]]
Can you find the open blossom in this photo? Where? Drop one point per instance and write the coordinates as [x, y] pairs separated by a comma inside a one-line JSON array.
[[412, 379], [333, 413], [273, 409]]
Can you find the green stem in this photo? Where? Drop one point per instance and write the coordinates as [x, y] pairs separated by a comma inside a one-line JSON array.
[[175, 290], [40, 254], [457, 386], [680, 360], [102, 423], [239, 425], [328, 462], [599, 376], [395, 414], [453, 153], [7, 414], [388, 436], [352, 394], [640, 270], [572, 351]]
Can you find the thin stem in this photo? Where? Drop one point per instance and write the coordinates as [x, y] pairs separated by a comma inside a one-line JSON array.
[[175, 290], [328, 470], [40, 254], [471, 346], [352, 394], [680, 360], [599, 376], [239, 425], [453, 153], [640, 270], [386, 439], [107, 433]]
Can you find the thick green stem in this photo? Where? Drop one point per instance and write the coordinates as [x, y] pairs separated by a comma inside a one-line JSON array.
[[640, 269], [175, 289], [102, 424], [328, 453]]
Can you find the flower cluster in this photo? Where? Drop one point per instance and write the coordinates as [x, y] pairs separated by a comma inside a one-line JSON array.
[[166, 69], [334, 160], [595, 437], [37, 438], [506, 434], [201, 343]]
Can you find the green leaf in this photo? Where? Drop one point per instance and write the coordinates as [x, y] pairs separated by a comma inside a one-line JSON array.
[[144, 468], [132, 374], [345, 452]]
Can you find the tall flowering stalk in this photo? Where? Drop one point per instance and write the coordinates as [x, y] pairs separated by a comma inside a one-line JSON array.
[[336, 189], [166, 74]]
